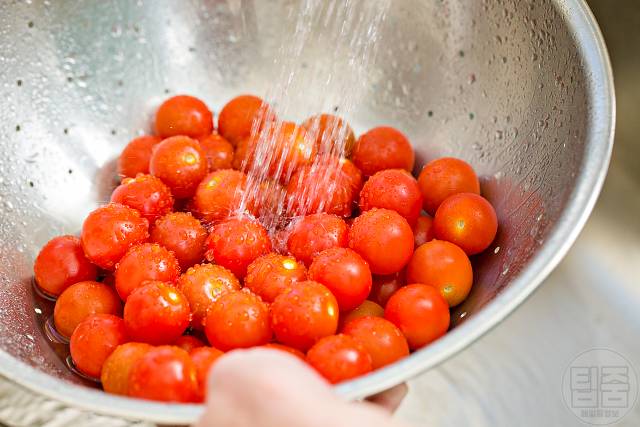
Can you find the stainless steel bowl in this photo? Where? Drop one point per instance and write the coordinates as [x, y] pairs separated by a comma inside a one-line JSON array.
[[521, 89]]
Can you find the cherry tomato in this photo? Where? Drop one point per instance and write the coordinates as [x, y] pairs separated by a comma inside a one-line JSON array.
[[183, 235], [238, 319], [331, 133], [142, 263], [183, 115], [383, 148], [116, 369], [203, 284], [237, 242], [444, 266], [339, 358], [385, 286], [367, 308], [60, 264], [188, 343], [353, 174], [445, 177], [241, 156], [147, 194], [281, 347], [237, 116], [383, 238], [156, 313], [303, 314], [271, 274], [345, 274], [314, 233], [468, 220], [135, 157], [393, 189], [423, 230], [164, 373], [380, 338], [218, 195], [80, 301], [218, 150], [203, 359], [420, 312], [95, 338], [109, 231], [180, 163]]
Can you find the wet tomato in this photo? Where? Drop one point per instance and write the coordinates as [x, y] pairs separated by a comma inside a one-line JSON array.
[[80, 301], [109, 231], [238, 319], [345, 274], [164, 373], [183, 115], [339, 358], [314, 233], [142, 263], [380, 338], [331, 133], [202, 285], [60, 264], [116, 369], [271, 274], [393, 189], [445, 177], [218, 150], [367, 308], [218, 195], [420, 312], [180, 163], [444, 266], [145, 193], [156, 313], [183, 235], [237, 116], [93, 341], [468, 220], [188, 343], [385, 286], [303, 314], [383, 148], [383, 238], [423, 230], [203, 359], [135, 157]]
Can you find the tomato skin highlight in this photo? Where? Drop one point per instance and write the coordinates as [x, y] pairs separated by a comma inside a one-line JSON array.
[[383, 148], [445, 177], [315, 233], [61, 263], [339, 358], [116, 368], [135, 157], [183, 115], [393, 189], [271, 274], [180, 163], [183, 235], [145, 193], [94, 340], [380, 338]]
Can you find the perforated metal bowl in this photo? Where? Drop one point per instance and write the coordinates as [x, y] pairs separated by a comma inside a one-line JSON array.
[[520, 89]]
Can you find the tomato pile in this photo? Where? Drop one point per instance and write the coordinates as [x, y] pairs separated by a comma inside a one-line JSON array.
[[169, 275]]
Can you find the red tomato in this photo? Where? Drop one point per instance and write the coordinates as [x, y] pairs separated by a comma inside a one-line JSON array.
[[345, 274], [445, 177], [339, 358], [380, 338], [180, 163], [393, 189], [183, 115], [353, 174], [60, 264], [109, 231], [281, 347], [420, 312], [142, 263], [116, 369], [188, 343], [156, 313], [468, 220], [218, 150], [147, 194], [237, 117], [314, 233], [367, 308], [238, 320], [135, 157], [303, 314], [80, 301], [218, 195], [423, 230], [383, 148], [95, 338], [385, 286], [444, 266], [182, 234], [164, 373], [203, 284], [383, 238], [271, 274], [203, 359], [330, 133], [237, 242]]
